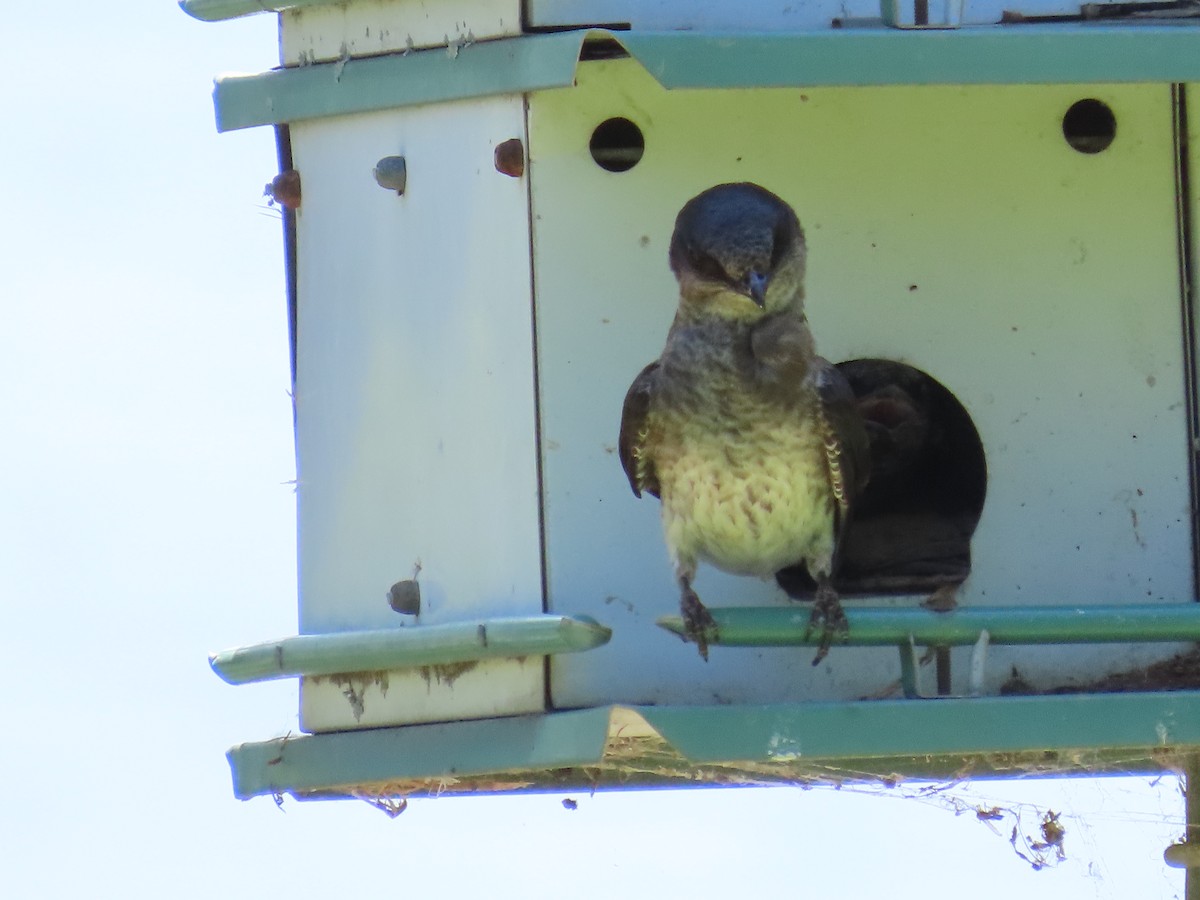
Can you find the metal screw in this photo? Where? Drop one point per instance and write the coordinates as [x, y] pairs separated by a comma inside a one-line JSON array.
[[391, 172], [284, 189], [405, 597], [510, 158]]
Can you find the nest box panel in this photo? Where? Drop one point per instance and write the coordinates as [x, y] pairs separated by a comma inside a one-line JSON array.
[[415, 419], [951, 228]]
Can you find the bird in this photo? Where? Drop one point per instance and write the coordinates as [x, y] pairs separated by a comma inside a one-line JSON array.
[[750, 440]]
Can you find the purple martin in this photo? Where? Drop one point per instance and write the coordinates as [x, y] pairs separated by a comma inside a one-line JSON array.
[[752, 442]]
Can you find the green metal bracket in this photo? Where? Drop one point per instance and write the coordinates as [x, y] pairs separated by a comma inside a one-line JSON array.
[[910, 666], [399, 648], [1026, 54]]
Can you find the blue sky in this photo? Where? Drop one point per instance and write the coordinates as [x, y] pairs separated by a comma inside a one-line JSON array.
[[146, 519]]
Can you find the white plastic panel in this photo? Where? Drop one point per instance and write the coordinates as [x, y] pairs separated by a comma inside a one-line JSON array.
[[414, 397], [950, 228], [323, 33], [430, 694]]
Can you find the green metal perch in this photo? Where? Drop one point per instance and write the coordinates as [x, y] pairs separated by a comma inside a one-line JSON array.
[[398, 648], [883, 626], [908, 628]]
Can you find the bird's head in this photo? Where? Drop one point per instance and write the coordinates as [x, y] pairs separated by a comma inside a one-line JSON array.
[[738, 252]]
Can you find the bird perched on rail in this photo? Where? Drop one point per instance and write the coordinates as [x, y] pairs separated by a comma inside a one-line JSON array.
[[751, 441]]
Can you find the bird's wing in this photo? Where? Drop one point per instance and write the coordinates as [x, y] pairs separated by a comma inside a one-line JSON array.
[[635, 416], [847, 449]]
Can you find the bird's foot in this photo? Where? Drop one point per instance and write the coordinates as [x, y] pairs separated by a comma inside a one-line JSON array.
[[698, 624], [829, 617]]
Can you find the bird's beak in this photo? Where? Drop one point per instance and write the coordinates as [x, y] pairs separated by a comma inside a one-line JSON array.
[[757, 283]]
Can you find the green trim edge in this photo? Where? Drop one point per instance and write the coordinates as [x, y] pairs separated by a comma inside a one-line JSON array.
[[796, 743], [1025, 54]]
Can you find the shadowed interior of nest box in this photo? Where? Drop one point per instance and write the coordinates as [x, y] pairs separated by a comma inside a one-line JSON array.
[[912, 526]]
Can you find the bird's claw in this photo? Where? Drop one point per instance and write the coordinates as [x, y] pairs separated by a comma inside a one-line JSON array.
[[698, 624], [830, 618]]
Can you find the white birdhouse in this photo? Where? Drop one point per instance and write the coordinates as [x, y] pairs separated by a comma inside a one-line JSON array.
[[480, 196]]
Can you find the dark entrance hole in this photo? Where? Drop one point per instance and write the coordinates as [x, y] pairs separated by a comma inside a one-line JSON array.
[[912, 527]]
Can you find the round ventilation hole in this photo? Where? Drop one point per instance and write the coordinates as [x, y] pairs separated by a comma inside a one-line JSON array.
[[617, 145], [1089, 126]]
